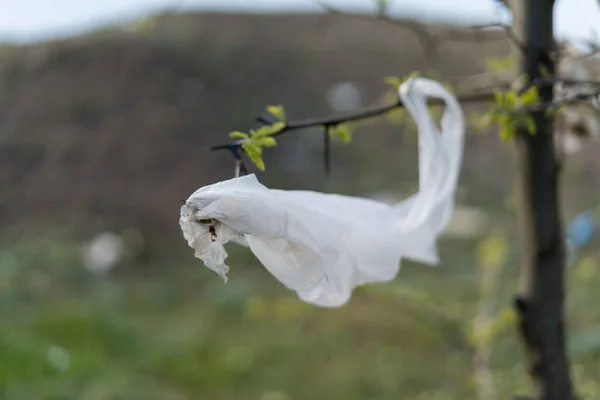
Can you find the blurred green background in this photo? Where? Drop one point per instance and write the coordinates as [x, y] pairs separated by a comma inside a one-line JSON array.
[[101, 299]]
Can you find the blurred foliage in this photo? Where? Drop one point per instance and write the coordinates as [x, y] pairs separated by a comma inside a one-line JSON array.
[[179, 333], [499, 64], [342, 132], [508, 113]]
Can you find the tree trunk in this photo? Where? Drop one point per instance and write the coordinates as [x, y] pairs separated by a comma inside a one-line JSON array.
[[540, 301]]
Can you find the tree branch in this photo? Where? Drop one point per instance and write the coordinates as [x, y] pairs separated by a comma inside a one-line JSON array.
[[332, 121], [508, 32], [594, 50], [472, 98], [429, 35]]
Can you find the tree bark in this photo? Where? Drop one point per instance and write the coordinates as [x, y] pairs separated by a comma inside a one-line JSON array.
[[540, 300]]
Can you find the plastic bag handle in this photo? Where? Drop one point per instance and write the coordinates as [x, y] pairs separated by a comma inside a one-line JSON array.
[[440, 152]]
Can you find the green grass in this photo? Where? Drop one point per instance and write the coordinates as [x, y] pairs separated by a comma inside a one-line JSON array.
[[181, 333]]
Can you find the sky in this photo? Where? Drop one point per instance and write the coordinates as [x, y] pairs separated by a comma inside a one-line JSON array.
[[34, 20]]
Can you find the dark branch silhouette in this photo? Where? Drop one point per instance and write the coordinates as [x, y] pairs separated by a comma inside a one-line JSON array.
[[332, 121]]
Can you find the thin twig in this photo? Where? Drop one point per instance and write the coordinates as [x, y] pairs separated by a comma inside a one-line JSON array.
[[327, 149], [594, 50], [550, 80], [507, 30], [240, 167], [565, 101], [428, 36]]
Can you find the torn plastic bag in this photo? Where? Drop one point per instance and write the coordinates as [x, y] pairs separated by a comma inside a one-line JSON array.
[[324, 245]]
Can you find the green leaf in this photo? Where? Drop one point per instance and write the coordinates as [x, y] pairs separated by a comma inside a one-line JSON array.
[[393, 81], [238, 135], [498, 97], [259, 138], [278, 111], [254, 152], [499, 64], [485, 335], [268, 130], [510, 98], [493, 249], [529, 123], [277, 126], [554, 111], [412, 75], [530, 96], [252, 149], [258, 161], [258, 133], [507, 132], [504, 133], [343, 133], [266, 142], [480, 121], [506, 99], [544, 71], [396, 82]]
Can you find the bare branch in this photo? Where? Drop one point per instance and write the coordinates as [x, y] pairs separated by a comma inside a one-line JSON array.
[[593, 50], [551, 80], [429, 35], [484, 81], [507, 30], [564, 101]]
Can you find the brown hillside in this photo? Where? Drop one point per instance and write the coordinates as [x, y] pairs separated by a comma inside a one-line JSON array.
[[107, 131]]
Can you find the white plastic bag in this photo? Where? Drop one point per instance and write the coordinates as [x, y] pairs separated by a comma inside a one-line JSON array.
[[324, 245]]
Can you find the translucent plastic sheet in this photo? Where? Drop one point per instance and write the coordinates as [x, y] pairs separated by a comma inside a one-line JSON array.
[[324, 245]]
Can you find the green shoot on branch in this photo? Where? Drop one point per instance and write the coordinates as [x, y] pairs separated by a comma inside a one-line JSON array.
[[277, 111], [395, 82], [254, 143], [342, 132], [508, 113]]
